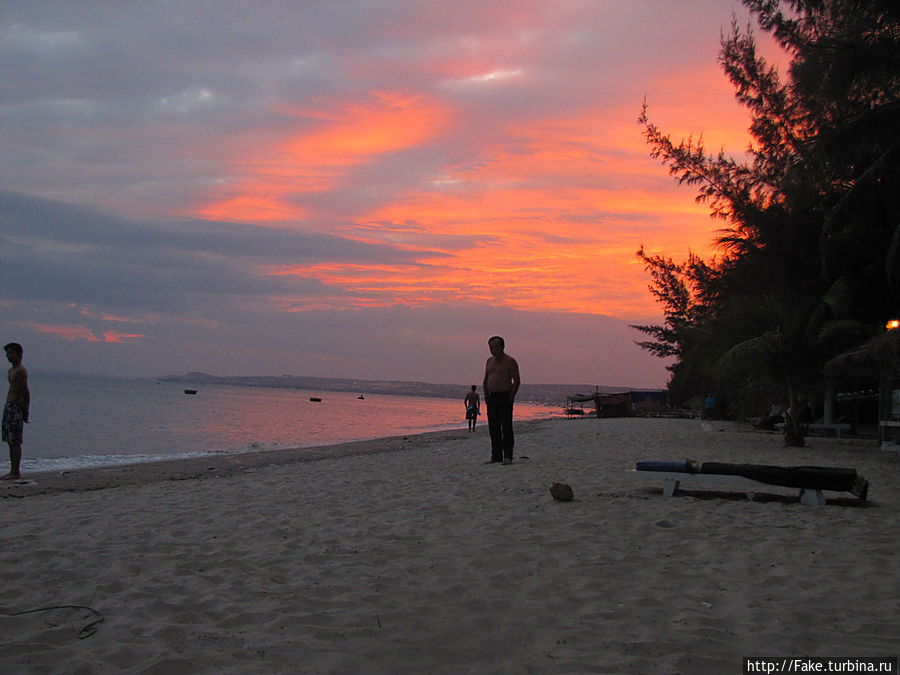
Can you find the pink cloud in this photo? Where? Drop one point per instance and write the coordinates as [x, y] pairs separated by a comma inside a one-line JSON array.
[[74, 333], [117, 337], [66, 332]]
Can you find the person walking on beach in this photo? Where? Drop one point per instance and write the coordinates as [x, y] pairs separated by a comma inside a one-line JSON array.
[[501, 382], [15, 412], [709, 407], [473, 407]]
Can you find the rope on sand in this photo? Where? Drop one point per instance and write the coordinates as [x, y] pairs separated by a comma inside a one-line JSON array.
[[85, 632]]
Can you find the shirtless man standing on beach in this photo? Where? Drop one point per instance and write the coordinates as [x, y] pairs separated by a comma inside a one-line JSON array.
[[501, 382], [15, 412]]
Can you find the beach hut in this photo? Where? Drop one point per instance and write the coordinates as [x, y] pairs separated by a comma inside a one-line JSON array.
[[575, 404], [879, 360], [605, 405]]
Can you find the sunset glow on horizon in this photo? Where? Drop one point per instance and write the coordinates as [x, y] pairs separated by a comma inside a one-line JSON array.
[[327, 167]]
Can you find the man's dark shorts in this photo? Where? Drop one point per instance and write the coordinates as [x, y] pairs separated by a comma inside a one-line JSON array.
[[13, 422]]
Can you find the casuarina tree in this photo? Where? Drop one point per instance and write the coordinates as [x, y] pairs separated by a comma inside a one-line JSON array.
[[808, 257]]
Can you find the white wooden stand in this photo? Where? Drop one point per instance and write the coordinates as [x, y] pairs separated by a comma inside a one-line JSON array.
[[672, 480]]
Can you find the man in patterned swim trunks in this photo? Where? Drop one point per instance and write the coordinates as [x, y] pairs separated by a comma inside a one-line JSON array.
[[15, 412]]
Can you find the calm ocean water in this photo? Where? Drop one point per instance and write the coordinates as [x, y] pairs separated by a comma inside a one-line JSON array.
[[82, 422]]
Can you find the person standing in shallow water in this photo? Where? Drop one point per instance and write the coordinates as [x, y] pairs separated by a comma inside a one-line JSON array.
[[473, 407], [15, 411], [501, 383]]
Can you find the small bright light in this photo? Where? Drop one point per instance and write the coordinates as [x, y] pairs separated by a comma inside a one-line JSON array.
[[893, 324]]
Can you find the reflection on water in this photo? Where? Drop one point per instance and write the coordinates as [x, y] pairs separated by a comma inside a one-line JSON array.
[[84, 422]]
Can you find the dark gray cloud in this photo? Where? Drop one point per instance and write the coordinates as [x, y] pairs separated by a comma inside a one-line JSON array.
[[71, 254]]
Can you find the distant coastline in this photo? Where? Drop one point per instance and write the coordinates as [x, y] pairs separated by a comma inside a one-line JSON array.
[[547, 394]]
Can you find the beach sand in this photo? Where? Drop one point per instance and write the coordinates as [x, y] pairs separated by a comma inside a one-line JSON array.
[[411, 555]]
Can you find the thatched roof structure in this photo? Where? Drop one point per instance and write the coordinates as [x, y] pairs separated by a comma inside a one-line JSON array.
[[881, 352]]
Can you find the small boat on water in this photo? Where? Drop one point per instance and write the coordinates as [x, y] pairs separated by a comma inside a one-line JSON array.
[[190, 391], [315, 399]]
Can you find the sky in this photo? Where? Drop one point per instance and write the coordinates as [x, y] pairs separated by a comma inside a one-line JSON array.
[[349, 188]]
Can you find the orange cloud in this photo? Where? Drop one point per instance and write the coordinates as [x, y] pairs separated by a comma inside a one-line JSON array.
[[113, 318], [388, 123], [543, 214], [116, 336], [74, 333], [66, 332], [558, 223], [567, 249], [277, 177], [257, 205]]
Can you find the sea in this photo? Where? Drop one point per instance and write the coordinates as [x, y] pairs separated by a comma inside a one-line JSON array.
[[80, 422]]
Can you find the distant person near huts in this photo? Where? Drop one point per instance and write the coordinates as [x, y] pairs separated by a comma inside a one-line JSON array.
[[709, 407], [473, 407]]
